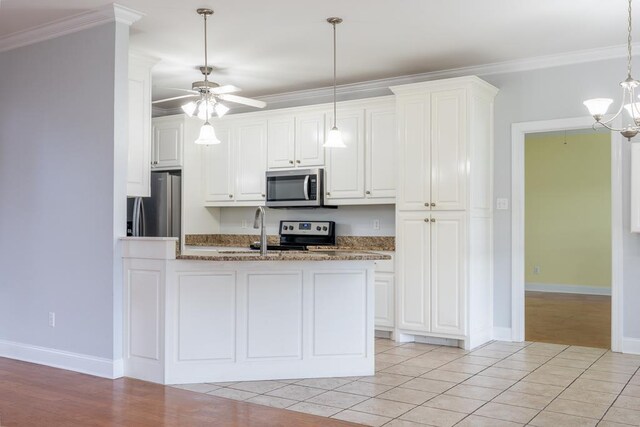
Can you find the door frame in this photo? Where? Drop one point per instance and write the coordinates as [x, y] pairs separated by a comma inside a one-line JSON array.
[[518, 133]]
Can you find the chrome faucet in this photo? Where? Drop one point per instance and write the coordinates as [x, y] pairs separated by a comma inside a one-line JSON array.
[[258, 222]]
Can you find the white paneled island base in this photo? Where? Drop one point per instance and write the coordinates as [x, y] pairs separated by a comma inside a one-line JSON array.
[[192, 321]]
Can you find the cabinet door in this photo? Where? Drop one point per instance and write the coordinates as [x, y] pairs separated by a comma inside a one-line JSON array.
[[448, 273], [414, 153], [381, 150], [139, 150], [218, 168], [251, 160], [345, 166], [309, 150], [448, 150], [280, 143], [384, 300], [635, 188], [413, 271], [167, 143]]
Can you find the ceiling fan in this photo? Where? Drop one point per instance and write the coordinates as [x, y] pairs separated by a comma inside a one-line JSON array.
[[210, 94]]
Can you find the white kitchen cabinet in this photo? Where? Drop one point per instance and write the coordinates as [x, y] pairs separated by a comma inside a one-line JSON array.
[[385, 294], [309, 139], [432, 150], [345, 172], [365, 171], [635, 188], [380, 153], [296, 140], [234, 170], [218, 167], [250, 160], [444, 210], [168, 135], [139, 136], [281, 142]]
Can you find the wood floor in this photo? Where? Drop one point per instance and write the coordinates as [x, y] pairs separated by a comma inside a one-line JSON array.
[[571, 319], [34, 395]]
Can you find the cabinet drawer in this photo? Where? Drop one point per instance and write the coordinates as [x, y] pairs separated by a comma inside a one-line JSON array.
[[385, 265]]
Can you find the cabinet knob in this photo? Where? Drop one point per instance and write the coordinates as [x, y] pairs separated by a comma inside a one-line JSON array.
[[231, 196], [426, 220], [328, 194], [427, 204], [298, 161], [432, 204], [262, 195], [433, 220], [290, 162], [367, 192]]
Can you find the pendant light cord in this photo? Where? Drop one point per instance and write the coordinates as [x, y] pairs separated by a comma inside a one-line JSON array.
[[206, 71], [334, 76], [629, 44]]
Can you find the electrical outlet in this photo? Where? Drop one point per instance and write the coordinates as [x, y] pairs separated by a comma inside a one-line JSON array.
[[536, 269], [245, 223], [502, 204], [376, 224], [52, 319]]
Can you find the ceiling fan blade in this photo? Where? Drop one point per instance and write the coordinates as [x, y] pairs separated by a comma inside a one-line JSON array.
[[181, 89], [242, 100], [173, 98], [224, 89]]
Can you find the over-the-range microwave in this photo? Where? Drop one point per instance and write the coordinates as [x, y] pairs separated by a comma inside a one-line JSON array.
[[295, 188]]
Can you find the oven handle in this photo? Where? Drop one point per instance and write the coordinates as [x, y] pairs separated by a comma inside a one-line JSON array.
[[306, 187]]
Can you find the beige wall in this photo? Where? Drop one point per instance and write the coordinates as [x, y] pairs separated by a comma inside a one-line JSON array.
[[568, 208]]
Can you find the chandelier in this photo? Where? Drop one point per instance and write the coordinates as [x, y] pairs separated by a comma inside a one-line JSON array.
[[598, 107]]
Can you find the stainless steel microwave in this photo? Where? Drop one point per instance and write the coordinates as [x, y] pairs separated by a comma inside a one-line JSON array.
[[295, 188]]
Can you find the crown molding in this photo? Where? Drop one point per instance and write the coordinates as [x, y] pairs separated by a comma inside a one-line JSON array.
[[381, 87], [110, 13]]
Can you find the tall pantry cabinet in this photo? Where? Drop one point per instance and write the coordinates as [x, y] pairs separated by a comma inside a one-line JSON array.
[[444, 210]]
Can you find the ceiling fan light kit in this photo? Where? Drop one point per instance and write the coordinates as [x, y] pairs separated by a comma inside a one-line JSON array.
[[334, 137], [598, 107]]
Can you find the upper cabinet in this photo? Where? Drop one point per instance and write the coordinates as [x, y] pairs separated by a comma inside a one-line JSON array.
[[234, 170], [432, 150], [139, 136], [168, 135], [296, 140], [365, 171]]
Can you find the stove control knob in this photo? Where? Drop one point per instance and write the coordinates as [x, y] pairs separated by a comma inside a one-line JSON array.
[[318, 228], [324, 228]]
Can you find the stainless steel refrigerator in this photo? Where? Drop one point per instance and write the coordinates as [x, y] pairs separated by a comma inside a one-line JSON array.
[[158, 215]]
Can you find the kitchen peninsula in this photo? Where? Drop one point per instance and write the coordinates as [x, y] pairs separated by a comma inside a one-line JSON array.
[[233, 315]]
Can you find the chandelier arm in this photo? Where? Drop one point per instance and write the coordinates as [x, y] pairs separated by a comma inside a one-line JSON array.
[[615, 116], [605, 125]]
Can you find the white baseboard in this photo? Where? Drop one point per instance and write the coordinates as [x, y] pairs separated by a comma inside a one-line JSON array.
[[502, 334], [631, 345], [97, 366], [567, 289]]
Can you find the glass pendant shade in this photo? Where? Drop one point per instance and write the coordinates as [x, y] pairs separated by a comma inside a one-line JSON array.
[[221, 109], [598, 107], [334, 139], [190, 108], [207, 135], [633, 110], [205, 113]]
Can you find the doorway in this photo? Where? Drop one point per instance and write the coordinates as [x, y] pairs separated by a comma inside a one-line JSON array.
[[567, 226], [520, 268]]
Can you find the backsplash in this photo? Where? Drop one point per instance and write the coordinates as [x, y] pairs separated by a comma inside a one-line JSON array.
[[350, 220]]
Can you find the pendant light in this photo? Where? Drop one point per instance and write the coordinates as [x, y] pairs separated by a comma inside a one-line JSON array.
[[598, 107], [207, 133], [334, 138]]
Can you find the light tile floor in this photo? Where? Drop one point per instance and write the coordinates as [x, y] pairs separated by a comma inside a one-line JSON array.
[[500, 384]]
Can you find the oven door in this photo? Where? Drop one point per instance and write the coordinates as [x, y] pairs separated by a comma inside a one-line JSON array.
[[294, 188]]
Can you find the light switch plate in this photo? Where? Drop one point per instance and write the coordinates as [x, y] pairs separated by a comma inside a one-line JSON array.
[[502, 204]]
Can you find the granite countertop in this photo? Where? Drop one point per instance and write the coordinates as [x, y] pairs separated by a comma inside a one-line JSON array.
[[343, 243], [326, 255]]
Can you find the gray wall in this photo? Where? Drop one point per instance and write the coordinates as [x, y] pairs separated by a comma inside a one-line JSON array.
[[548, 94], [60, 183]]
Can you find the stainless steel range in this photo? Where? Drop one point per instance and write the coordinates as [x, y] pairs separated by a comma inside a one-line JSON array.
[[297, 235]]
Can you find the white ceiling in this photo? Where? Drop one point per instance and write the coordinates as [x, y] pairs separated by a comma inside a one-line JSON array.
[[275, 46]]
